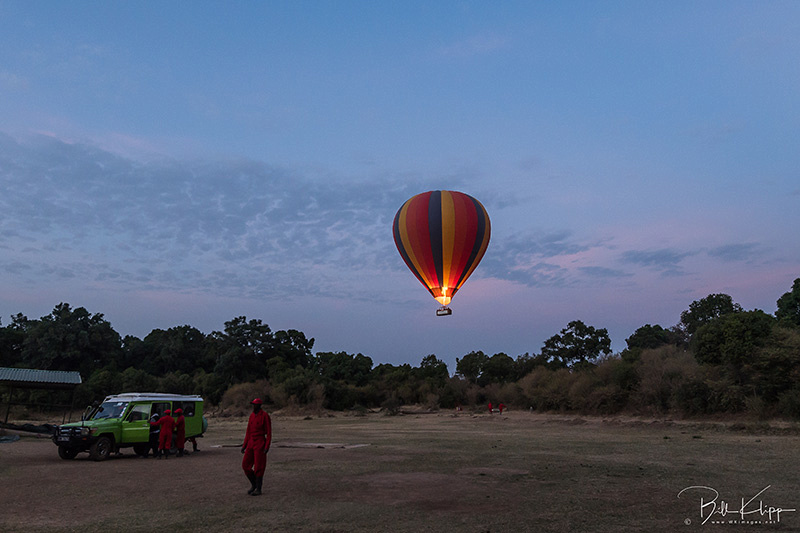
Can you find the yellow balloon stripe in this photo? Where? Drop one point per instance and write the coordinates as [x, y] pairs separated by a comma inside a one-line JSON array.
[[448, 239], [409, 247]]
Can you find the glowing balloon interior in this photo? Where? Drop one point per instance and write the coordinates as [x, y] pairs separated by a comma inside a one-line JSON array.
[[442, 236]]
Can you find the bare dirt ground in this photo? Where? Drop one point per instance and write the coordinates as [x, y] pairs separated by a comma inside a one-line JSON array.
[[471, 472]]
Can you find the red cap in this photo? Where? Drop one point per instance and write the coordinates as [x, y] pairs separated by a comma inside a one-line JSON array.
[[166, 412], [257, 401], [178, 411]]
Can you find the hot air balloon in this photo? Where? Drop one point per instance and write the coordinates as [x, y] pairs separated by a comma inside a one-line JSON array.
[[442, 236]]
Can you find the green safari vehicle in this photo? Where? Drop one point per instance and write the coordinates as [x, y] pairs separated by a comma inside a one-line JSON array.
[[123, 420]]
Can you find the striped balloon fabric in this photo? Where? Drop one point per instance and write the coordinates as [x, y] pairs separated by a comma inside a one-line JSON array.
[[442, 236]]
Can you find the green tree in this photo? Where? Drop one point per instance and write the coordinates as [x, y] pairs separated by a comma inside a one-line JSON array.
[[776, 364], [179, 349], [297, 385], [136, 380], [646, 337], [293, 348], [707, 309], [732, 341], [499, 368], [433, 370], [12, 339], [209, 386], [789, 306], [341, 366], [471, 365], [397, 382], [243, 350], [525, 364], [100, 384], [577, 345], [70, 339], [176, 383]]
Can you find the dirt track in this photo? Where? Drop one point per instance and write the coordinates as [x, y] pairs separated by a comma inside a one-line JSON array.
[[441, 472]]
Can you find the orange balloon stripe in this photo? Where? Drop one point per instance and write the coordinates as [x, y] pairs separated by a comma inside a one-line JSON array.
[[419, 239], [406, 226]]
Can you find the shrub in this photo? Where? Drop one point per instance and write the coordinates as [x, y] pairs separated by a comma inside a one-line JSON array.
[[693, 397], [391, 405], [757, 407], [607, 399], [725, 396], [661, 372], [580, 390], [432, 402], [546, 389], [789, 403], [236, 400]]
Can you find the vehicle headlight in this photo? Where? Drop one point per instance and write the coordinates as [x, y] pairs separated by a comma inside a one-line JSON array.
[[85, 432]]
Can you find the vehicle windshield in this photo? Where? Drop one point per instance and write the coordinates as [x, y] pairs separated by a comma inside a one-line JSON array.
[[110, 410]]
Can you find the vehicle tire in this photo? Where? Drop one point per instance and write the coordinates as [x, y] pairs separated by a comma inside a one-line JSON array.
[[143, 448], [67, 453], [101, 449]]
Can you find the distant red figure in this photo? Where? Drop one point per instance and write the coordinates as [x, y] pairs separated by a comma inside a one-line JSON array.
[[501, 407], [166, 423], [180, 431], [490, 407]]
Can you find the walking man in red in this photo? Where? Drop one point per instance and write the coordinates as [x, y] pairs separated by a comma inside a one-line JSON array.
[[180, 431], [255, 447], [166, 423]]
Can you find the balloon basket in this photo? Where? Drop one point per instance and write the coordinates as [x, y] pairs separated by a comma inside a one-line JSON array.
[[444, 311]]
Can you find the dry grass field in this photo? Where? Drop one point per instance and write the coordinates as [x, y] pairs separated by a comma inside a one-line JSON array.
[[441, 472]]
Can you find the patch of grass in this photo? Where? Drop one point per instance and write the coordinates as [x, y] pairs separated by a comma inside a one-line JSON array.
[[434, 472]]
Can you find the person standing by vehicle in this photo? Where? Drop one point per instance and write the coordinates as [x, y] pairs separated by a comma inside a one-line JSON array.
[[155, 430], [180, 431], [257, 440], [166, 424]]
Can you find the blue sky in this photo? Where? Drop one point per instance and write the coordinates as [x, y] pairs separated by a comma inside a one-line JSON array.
[[186, 163]]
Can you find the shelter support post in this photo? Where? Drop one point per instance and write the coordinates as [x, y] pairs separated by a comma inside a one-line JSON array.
[[8, 407]]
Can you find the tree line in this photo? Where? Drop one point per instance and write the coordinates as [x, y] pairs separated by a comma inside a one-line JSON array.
[[718, 358]]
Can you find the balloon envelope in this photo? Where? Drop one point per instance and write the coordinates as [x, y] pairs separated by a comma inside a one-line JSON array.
[[442, 236]]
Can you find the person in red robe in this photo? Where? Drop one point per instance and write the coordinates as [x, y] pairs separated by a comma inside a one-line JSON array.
[[166, 424], [180, 431], [256, 443]]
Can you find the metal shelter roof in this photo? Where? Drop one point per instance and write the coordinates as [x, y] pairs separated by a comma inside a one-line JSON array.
[[39, 379]]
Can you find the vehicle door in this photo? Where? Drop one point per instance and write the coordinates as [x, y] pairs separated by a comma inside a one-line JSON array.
[[136, 425], [193, 423]]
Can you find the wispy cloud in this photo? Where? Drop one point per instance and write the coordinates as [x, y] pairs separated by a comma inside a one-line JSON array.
[[12, 81], [736, 252], [476, 45], [666, 260], [530, 259], [604, 272], [225, 225]]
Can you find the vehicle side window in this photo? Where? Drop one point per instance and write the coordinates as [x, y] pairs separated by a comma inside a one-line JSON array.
[[159, 408], [188, 408], [139, 412]]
